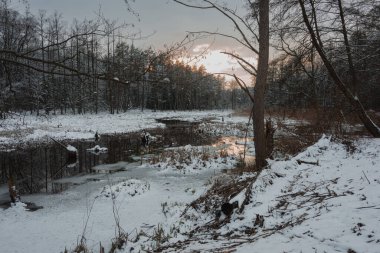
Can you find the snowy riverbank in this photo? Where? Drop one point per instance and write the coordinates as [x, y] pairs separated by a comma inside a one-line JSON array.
[[25, 128], [325, 199], [330, 206], [144, 196]]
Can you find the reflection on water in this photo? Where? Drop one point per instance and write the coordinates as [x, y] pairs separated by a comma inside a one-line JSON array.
[[39, 166], [239, 147], [45, 166]]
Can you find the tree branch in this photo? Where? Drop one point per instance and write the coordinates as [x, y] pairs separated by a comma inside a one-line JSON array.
[[252, 72]]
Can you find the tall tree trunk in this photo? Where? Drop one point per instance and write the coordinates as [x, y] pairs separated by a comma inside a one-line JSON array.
[[353, 100], [348, 50], [261, 81]]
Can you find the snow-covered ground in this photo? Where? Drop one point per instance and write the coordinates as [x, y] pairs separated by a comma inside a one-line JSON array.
[[143, 196], [325, 199], [142, 193], [24, 128]]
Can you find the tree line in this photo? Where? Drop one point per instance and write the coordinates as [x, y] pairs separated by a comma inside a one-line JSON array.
[[47, 66], [298, 77]]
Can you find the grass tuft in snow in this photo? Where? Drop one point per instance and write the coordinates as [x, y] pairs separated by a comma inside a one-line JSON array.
[[189, 159]]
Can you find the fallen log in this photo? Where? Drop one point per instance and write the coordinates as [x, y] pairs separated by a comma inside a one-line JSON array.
[[308, 162]]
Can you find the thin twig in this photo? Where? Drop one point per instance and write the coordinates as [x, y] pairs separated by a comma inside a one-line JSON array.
[[60, 143], [366, 207], [366, 177], [246, 134]]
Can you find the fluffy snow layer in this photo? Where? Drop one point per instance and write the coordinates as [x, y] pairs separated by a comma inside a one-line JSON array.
[[23, 128], [326, 199], [139, 198]]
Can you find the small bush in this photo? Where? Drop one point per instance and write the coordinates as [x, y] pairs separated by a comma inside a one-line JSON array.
[[119, 242]]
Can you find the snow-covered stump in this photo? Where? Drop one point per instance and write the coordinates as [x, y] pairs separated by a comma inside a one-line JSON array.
[[13, 193], [72, 155], [97, 150], [146, 140]]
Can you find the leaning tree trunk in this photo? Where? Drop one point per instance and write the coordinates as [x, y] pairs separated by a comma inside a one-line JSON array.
[[261, 81], [353, 100]]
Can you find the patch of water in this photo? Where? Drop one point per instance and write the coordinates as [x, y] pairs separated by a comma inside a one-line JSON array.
[[238, 147], [39, 167], [45, 167]]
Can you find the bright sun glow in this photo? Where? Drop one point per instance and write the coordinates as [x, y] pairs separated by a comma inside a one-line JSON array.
[[217, 62]]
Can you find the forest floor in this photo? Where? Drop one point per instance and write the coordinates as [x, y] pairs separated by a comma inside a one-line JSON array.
[[326, 198]]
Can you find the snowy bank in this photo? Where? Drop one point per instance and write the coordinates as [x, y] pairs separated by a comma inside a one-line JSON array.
[[84, 126], [326, 199], [142, 198]]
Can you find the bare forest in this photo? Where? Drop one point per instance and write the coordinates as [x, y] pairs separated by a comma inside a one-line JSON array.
[[190, 126]]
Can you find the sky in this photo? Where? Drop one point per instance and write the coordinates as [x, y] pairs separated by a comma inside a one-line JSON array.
[[162, 22]]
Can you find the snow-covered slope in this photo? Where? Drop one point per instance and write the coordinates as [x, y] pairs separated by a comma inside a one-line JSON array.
[[326, 199]]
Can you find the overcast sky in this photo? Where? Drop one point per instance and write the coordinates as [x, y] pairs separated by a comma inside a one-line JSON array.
[[164, 20]]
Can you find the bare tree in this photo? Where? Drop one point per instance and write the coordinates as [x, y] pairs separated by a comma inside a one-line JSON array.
[[314, 31], [247, 36], [261, 82]]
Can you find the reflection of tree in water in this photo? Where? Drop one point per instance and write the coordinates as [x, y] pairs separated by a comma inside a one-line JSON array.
[[35, 167]]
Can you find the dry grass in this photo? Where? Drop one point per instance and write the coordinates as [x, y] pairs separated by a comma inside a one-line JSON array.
[[182, 156], [223, 153], [312, 124], [313, 114], [223, 188], [242, 168], [242, 112]]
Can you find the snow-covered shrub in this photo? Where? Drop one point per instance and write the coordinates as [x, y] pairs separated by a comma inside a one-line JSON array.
[[128, 188], [190, 158], [226, 129]]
